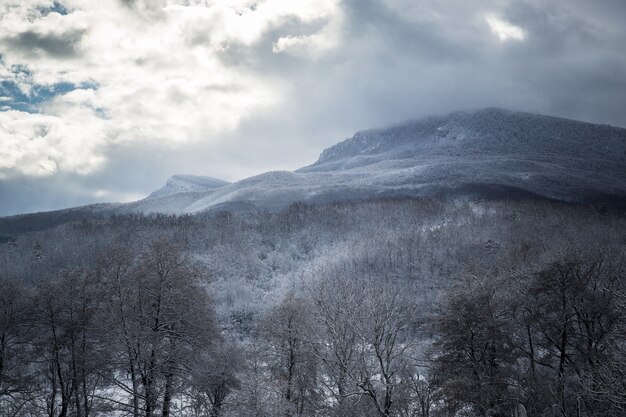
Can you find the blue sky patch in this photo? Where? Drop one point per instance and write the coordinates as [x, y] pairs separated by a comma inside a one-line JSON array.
[[39, 94], [13, 98], [56, 7]]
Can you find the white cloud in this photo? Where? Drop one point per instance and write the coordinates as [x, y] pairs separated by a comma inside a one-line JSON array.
[[40, 144], [316, 44], [305, 45], [504, 30], [157, 68]]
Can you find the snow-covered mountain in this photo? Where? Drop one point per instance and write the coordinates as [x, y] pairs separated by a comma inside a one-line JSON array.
[[490, 151]]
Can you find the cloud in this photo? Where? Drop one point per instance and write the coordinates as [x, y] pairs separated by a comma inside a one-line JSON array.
[[314, 45], [63, 45], [156, 68], [505, 30], [41, 145]]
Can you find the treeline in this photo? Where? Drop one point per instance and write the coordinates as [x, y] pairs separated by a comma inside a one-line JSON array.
[[388, 308]]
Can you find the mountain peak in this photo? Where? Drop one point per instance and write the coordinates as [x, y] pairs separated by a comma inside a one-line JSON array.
[[187, 184], [491, 130]]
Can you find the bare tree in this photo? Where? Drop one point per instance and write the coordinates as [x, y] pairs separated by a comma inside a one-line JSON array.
[[475, 355], [164, 319], [292, 362], [580, 323], [17, 384], [364, 339]]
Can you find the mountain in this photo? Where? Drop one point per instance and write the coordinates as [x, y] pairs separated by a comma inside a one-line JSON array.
[[488, 153], [547, 156]]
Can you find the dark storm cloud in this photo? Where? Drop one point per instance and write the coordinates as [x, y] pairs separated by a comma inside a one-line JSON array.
[[396, 60], [64, 45]]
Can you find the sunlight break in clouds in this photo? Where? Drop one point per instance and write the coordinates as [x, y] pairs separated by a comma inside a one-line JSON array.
[[505, 30], [93, 73]]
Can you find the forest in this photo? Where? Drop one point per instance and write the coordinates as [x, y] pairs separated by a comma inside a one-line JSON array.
[[407, 307]]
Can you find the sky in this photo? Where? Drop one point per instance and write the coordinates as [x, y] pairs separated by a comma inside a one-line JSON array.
[[103, 100]]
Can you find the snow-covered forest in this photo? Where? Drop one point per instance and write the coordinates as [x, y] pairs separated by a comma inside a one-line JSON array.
[[396, 307]]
